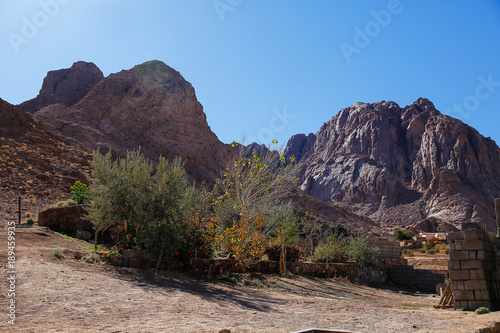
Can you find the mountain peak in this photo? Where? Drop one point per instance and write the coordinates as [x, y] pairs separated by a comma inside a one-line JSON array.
[[154, 74], [66, 86]]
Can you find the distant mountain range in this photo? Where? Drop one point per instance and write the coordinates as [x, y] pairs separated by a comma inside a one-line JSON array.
[[370, 165]]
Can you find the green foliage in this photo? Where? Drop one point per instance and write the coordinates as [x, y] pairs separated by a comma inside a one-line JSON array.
[[331, 249], [400, 235], [79, 193], [482, 310], [421, 250], [153, 209], [58, 252], [432, 251], [428, 245], [406, 252], [249, 201], [360, 252], [30, 220], [447, 250]]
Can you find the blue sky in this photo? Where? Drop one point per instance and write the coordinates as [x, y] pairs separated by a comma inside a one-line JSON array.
[[271, 68]]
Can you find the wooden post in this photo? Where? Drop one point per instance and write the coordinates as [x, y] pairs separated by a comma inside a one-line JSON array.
[[19, 210], [497, 209]]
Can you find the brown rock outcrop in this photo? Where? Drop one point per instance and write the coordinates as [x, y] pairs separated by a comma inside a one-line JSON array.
[[66, 86], [65, 219], [402, 165], [149, 106]]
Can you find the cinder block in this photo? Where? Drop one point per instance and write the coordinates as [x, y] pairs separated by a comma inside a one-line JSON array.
[[473, 254], [474, 234], [459, 255], [490, 237], [473, 244], [453, 236], [463, 295], [476, 285], [480, 275], [473, 305], [482, 295], [471, 264], [460, 304], [473, 225], [457, 275], [473, 274]]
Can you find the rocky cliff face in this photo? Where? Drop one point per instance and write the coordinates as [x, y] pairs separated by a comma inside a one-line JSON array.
[[150, 106], [401, 165], [66, 86]]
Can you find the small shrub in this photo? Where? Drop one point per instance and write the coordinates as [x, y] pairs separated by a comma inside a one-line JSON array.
[[447, 250], [400, 235], [360, 252], [482, 310], [58, 252], [406, 252], [459, 309], [421, 250], [432, 251], [79, 193], [331, 249], [66, 203], [30, 220], [428, 245]]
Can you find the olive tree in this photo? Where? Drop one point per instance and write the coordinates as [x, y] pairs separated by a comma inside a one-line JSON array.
[[153, 207]]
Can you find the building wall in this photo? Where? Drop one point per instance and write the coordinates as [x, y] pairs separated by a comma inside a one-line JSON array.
[[474, 267]]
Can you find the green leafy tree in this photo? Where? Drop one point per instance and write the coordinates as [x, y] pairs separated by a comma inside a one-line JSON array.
[[400, 235], [117, 190], [253, 189], [360, 251], [152, 208], [79, 193], [165, 209]]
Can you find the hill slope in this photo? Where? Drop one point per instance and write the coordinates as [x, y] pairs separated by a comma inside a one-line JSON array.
[[36, 162]]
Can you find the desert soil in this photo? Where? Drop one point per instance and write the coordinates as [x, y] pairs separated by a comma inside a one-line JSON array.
[[70, 295]]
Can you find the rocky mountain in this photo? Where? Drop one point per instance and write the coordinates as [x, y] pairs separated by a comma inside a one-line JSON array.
[[66, 86], [149, 106], [401, 166], [35, 163]]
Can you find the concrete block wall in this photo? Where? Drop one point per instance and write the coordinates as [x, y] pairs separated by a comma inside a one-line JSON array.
[[418, 279], [473, 267], [388, 247]]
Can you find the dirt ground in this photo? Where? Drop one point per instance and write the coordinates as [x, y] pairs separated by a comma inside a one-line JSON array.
[[69, 295]]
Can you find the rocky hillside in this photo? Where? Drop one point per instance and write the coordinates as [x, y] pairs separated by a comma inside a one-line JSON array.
[[149, 106], [35, 163], [66, 86], [400, 166]]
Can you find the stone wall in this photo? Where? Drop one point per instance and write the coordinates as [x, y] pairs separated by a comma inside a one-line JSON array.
[[65, 219], [474, 267], [388, 247], [144, 259]]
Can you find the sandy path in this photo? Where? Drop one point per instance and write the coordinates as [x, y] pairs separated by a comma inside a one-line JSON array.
[[67, 295]]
